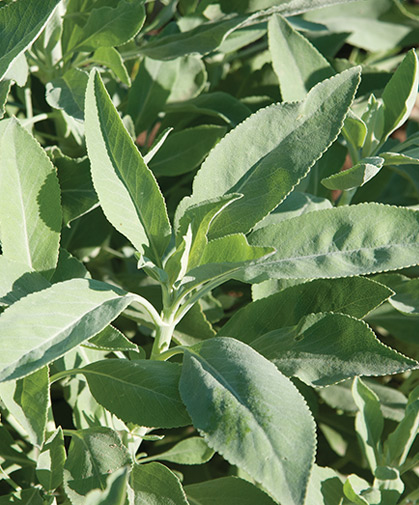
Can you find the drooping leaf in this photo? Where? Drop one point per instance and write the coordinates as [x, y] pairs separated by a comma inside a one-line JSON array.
[[109, 26], [326, 348], [356, 176], [67, 92], [185, 150], [155, 484], [226, 491], [19, 27], [354, 296], [49, 323], [245, 407], [50, 462], [265, 167], [142, 391], [297, 63], [339, 242], [396, 159], [132, 201], [30, 210], [369, 422], [94, 453], [112, 59], [191, 451], [400, 94], [27, 401]]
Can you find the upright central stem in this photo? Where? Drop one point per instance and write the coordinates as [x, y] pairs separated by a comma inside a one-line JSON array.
[[164, 333]]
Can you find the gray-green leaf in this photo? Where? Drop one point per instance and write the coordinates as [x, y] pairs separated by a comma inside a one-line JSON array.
[[128, 192], [356, 176], [245, 408]]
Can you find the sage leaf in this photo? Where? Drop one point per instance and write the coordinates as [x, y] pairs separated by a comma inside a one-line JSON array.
[[354, 296], [297, 63], [155, 484], [242, 413], [19, 27], [49, 323], [30, 214], [325, 348], [356, 176], [50, 462], [226, 491], [265, 167], [339, 242], [132, 202], [27, 401], [110, 339], [142, 392], [112, 59], [115, 492], [67, 92], [94, 453], [191, 451]]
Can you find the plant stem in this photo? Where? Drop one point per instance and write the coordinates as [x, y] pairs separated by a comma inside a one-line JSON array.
[[65, 373], [9, 480], [346, 197], [164, 333]]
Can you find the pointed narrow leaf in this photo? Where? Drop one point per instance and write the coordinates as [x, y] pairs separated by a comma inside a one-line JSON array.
[[226, 491], [30, 209], [27, 401], [406, 158], [244, 407], [142, 392], [369, 421], [50, 462], [112, 59], [191, 451], [19, 27], [262, 157], [355, 296], [94, 453], [297, 63], [356, 176], [326, 348], [349, 240], [127, 190], [400, 94], [155, 484], [47, 324]]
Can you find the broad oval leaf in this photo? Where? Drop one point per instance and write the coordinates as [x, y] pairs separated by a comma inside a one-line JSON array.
[[143, 392], [94, 453], [244, 407], [326, 348], [155, 484], [128, 191], [263, 158], [354, 296], [30, 209], [19, 27], [339, 242], [45, 325]]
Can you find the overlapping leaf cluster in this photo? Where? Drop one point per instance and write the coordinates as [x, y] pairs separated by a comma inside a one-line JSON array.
[[187, 274]]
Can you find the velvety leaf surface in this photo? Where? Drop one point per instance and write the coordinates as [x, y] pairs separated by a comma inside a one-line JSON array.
[[244, 407], [94, 453], [325, 487], [111, 339], [67, 92], [297, 63], [326, 348], [114, 493], [112, 59], [143, 392], [127, 190], [19, 27], [190, 451], [45, 325], [262, 157], [50, 462], [226, 491], [354, 296], [27, 401], [349, 240], [154, 484], [356, 176], [30, 210]]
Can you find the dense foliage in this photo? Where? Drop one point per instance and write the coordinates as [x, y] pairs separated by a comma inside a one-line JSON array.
[[209, 224]]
